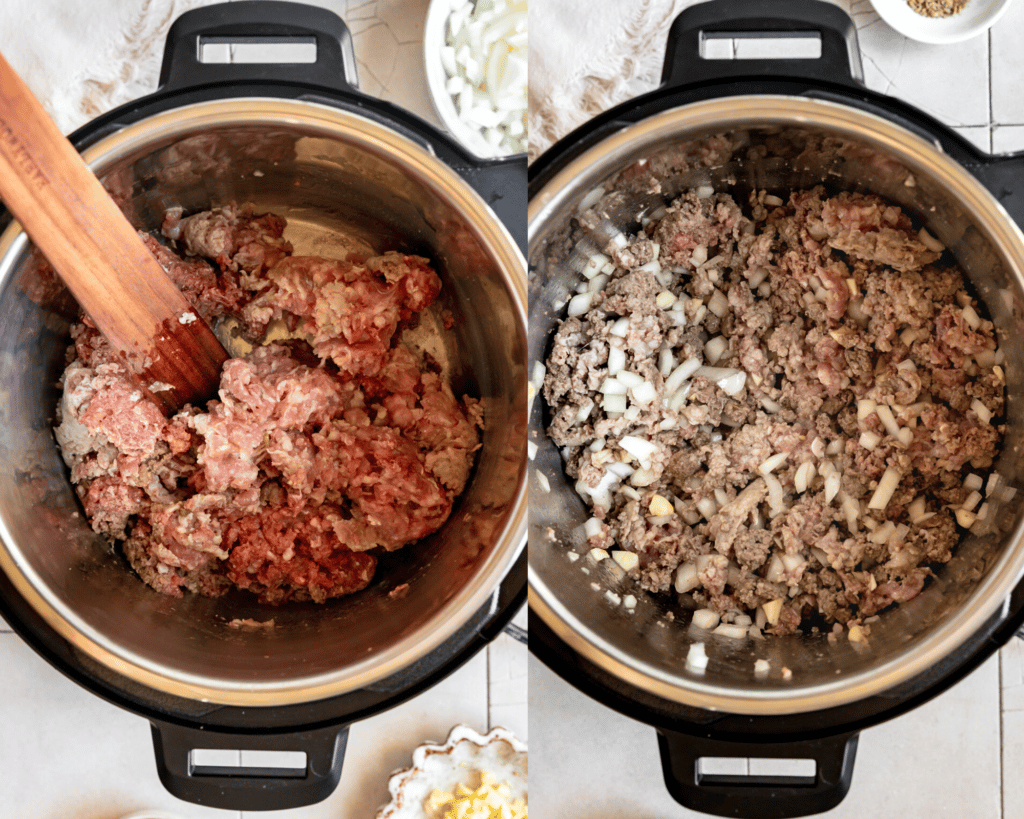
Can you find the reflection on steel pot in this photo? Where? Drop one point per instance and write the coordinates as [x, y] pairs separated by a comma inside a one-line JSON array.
[[635, 662], [300, 141]]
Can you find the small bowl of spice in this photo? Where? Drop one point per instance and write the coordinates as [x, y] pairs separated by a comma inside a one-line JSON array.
[[940, 21]]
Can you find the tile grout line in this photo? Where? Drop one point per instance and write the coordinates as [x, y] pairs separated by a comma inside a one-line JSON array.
[[1002, 767]]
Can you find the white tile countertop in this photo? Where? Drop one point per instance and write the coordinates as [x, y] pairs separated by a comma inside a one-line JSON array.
[[960, 755], [65, 753]]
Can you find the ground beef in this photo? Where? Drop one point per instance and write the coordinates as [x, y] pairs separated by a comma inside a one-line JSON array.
[[761, 372], [315, 455]]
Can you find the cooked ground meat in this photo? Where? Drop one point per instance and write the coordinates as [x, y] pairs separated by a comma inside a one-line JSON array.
[[803, 384], [314, 456]]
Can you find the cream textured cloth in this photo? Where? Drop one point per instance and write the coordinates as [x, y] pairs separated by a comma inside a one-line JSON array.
[[588, 55], [84, 58]]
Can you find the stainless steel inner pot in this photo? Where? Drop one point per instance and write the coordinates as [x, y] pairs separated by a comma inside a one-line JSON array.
[[339, 179], [646, 648]]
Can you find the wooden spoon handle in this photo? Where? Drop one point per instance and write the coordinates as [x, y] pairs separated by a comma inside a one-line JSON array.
[[99, 255]]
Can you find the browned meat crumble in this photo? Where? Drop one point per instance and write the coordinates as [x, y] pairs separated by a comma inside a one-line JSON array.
[[786, 413]]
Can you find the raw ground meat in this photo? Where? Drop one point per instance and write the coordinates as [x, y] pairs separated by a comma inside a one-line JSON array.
[[787, 413], [314, 456]]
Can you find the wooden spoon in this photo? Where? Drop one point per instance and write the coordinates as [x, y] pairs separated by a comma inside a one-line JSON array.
[[71, 218]]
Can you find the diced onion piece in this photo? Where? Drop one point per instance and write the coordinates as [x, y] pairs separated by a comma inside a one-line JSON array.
[[888, 420], [718, 303], [678, 398], [776, 568], [869, 440], [696, 658], [680, 374], [592, 527], [595, 264], [645, 393], [971, 317], [620, 328], [686, 578], [772, 462], [616, 360], [770, 406], [598, 282], [971, 501], [620, 470], [665, 299], [731, 630], [905, 436], [627, 560], [538, 373], [630, 380], [707, 507], [598, 555], [699, 255], [772, 611], [991, 483], [531, 447], [817, 447], [660, 506], [761, 668], [583, 413], [643, 477], [614, 403], [832, 485], [666, 361], [775, 493], [880, 534], [715, 349], [579, 304], [965, 518], [851, 510], [705, 618], [916, 510], [613, 386], [721, 496], [984, 413], [542, 481], [793, 562], [704, 191], [865, 406], [973, 481], [886, 487], [930, 241], [639, 448]]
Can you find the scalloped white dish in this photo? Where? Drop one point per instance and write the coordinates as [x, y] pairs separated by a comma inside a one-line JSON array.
[[461, 759]]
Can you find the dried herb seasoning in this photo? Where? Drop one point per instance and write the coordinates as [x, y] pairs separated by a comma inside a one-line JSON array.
[[937, 8]]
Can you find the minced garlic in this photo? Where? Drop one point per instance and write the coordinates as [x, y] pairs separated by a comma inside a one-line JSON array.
[[491, 800]]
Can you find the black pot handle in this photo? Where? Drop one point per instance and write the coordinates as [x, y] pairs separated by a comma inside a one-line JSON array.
[[1002, 175], [259, 21], [249, 788], [840, 54], [766, 797]]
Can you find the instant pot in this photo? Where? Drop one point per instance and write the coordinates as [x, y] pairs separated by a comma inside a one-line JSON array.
[[788, 124], [347, 171]]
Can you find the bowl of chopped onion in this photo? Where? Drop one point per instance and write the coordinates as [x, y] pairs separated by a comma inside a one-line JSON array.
[[475, 53]]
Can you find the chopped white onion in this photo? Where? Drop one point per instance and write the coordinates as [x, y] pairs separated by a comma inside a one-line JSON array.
[[865, 406], [644, 394], [596, 262], [699, 255], [972, 482], [579, 304], [869, 440], [983, 412], [630, 380], [930, 241], [905, 436], [614, 403], [971, 501], [715, 349], [696, 658], [886, 487], [718, 303], [639, 448], [686, 578], [971, 317], [772, 462], [613, 386], [616, 360], [707, 507], [888, 420], [734, 631], [775, 493], [705, 618], [881, 533], [592, 527], [681, 373], [666, 361], [620, 327]]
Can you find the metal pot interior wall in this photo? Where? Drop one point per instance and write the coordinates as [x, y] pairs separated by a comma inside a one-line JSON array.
[[340, 182], [779, 144]]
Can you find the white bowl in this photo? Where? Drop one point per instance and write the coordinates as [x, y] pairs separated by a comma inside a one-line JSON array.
[[976, 17], [433, 39]]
